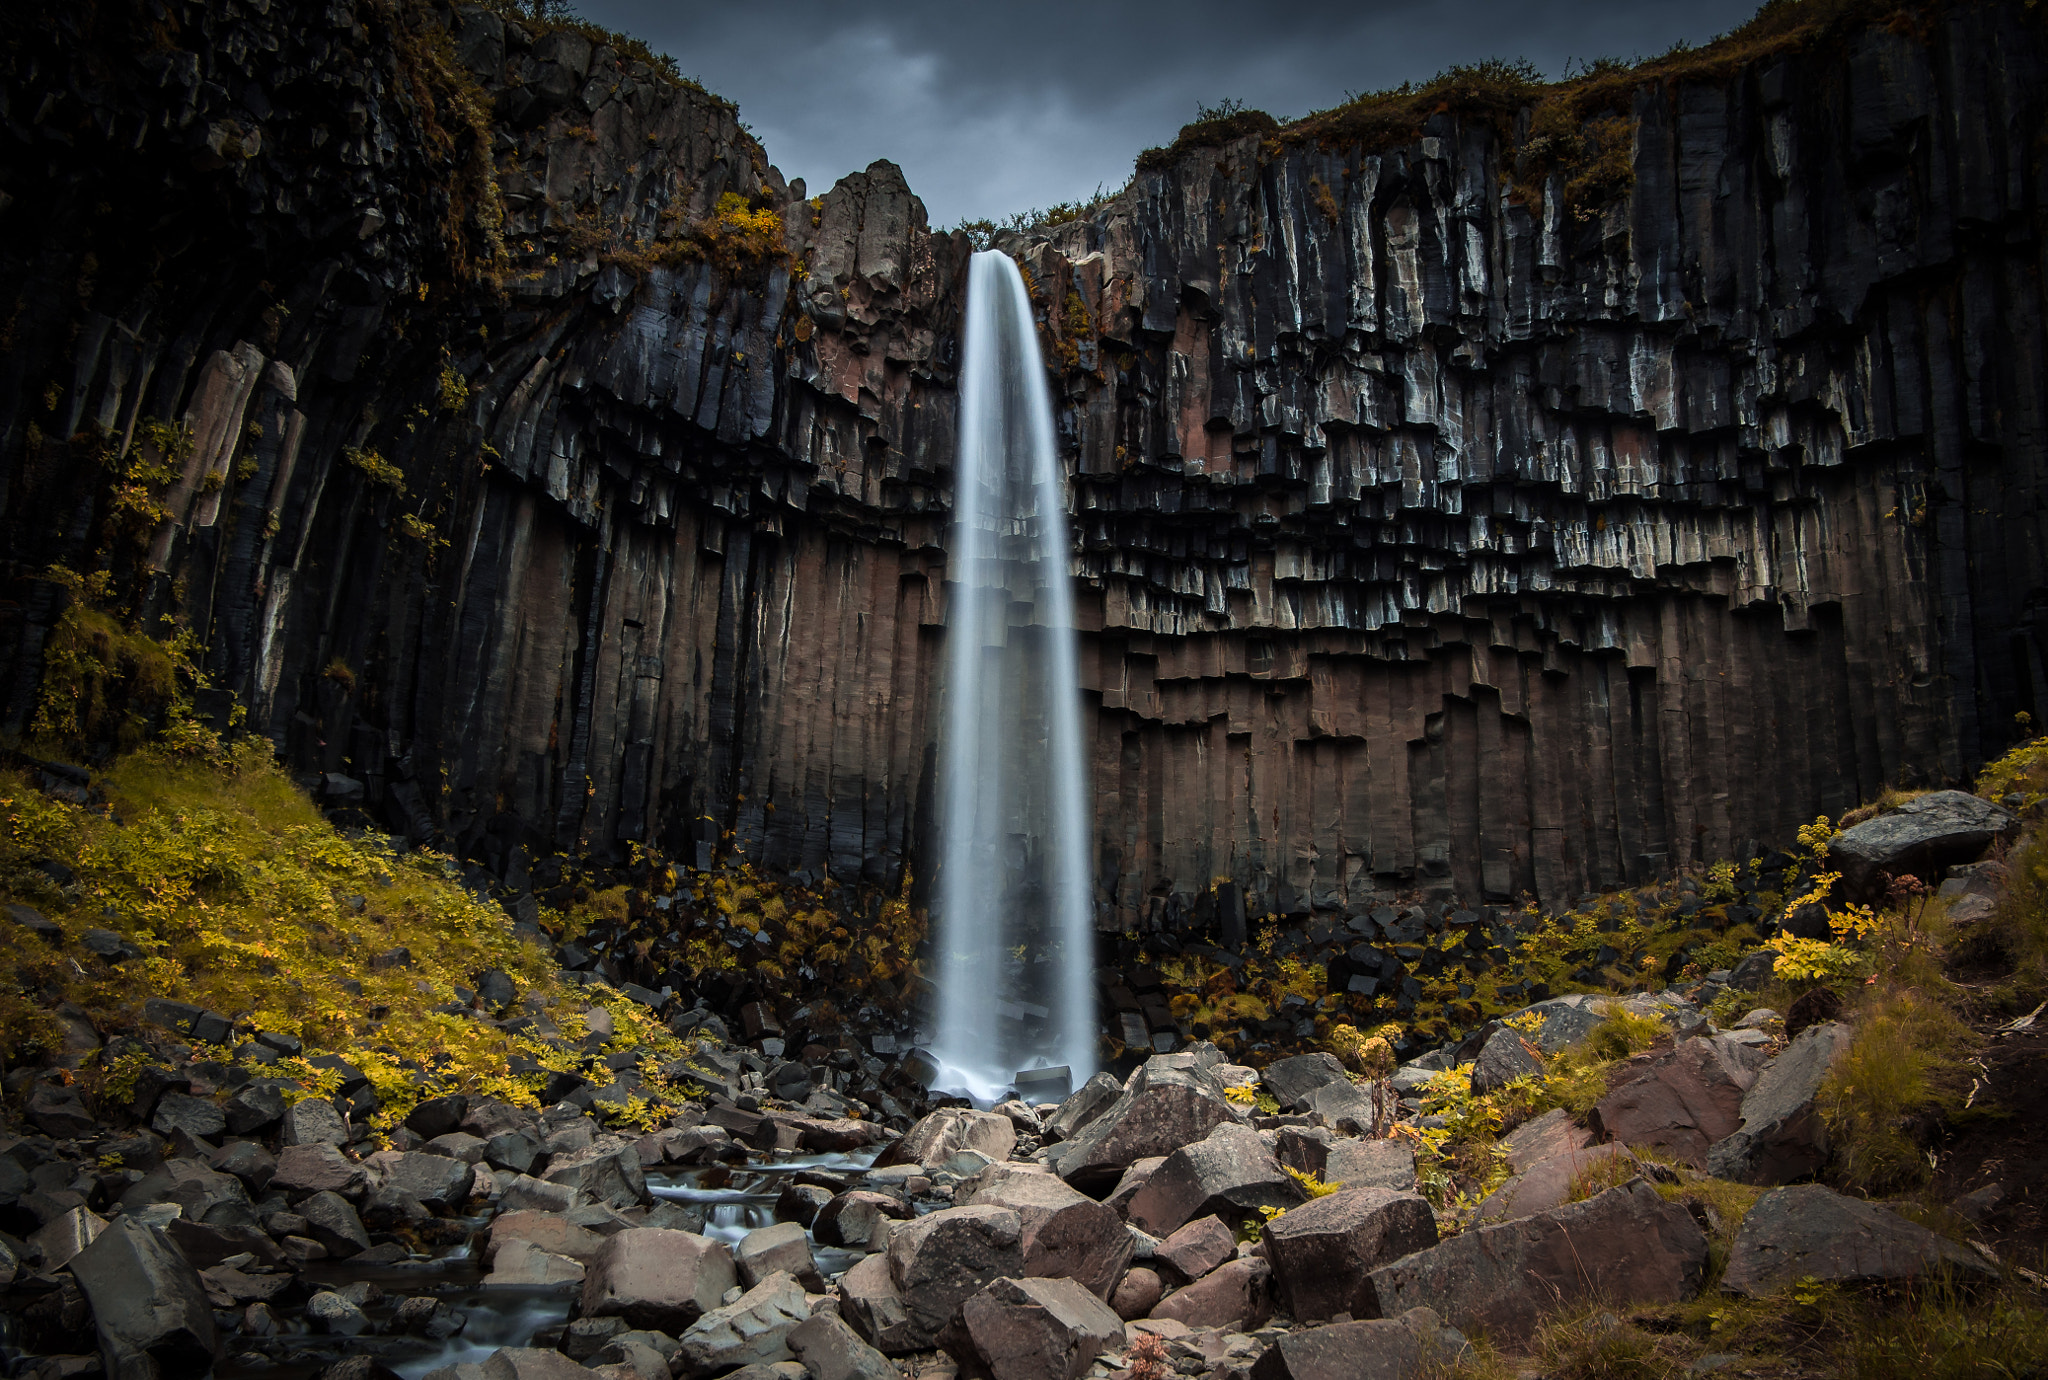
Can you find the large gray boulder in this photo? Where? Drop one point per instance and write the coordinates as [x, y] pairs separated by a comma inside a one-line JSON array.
[[658, 1280], [1923, 836], [604, 1172], [1624, 1246], [1088, 1102], [1173, 1100], [1321, 1250], [1034, 1329], [1811, 1231], [1782, 1136], [752, 1330], [1066, 1234], [148, 1303], [1550, 1183], [1504, 1057], [1356, 1163], [1292, 1079], [938, 1137], [1229, 1172], [937, 1261]]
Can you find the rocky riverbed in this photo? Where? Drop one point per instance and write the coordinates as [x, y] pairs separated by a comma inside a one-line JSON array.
[[1027, 1243]]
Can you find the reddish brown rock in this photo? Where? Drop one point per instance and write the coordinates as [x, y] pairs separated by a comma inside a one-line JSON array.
[[656, 1279], [1681, 1101], [1197, 1248], [1229, 1171], [937, 1261], [1036, 1329], [938, 1137], [858, 1220], [1066, 1234], [1321, 1250], [869, 1302], [1624, 1246], [1782, 1136], [1168, 1105], [1233, 1295], [1553, 1133], [1137, 1292], [1551, 1183]]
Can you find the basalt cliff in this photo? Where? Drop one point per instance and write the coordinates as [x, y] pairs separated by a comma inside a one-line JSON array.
[[1473, 505]]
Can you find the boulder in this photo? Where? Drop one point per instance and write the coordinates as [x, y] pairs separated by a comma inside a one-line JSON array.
[[1137, 1293], [513, 1151], [1229, 1172], [937, 1261], [198, 1117], [782, 1247], [752, 1330], [1172, 1101], [1134, 1179], [938, 1137], [1290, 1080], [59, 1112], [330, 1313], [1351, 1109], [193, 1022], [527, 1363], [1681, 1101], [1356, 1163], [1196, 1248], [1782, 1136], [1624, 1246], [435, 1181], [1233, 1296], [606, 1172], [1923, 836], [148, 1303], [831, 1350], [206, 1244], [332, 1222], [1541, 1137], [1034, 1329], [857, 1220], [1375, 1349], [1550, 1183], [317, 1167], [61, 1238], [1086, 1103], [870, 1304], [550, 1231], [437, 1116], [1504, 1057], [1321, 1250], [1066, 1234], [657, 1279], [195, 1188], [524, 1263], [1809, 1231], [314, 1121], [256, 1105], [1565, 1020]]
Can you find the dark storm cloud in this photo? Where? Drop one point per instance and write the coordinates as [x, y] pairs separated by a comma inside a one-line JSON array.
[[993, 109]]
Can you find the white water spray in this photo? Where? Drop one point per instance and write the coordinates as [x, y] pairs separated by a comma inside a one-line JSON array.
[[1015, 921]]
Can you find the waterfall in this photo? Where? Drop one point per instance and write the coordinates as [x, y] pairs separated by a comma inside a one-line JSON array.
[[1015, 923]]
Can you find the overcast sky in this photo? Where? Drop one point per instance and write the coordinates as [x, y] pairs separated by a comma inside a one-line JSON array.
[[993, 109]]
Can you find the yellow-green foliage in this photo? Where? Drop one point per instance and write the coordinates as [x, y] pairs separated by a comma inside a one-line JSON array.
[[106, 681], [454, 389], [2022, 771], [735, 236], [245, 900], [1904, 1064], [376, 469], [1623, 1032]]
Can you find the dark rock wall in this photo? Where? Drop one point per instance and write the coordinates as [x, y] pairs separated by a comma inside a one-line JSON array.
[[1431, 535]]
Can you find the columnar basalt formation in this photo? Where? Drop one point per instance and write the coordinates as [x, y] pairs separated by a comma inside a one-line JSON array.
[[1436, 529]]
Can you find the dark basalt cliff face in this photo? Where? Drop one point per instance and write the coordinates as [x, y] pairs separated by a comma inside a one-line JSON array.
[[1432, 534]]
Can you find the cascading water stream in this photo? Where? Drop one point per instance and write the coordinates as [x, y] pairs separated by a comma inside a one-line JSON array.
[[1016, 911]]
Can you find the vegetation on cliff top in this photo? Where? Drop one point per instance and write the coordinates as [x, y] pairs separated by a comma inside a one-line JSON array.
[[1581, 127]]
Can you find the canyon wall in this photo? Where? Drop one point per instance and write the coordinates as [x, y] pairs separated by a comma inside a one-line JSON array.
[[1437, 531]]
